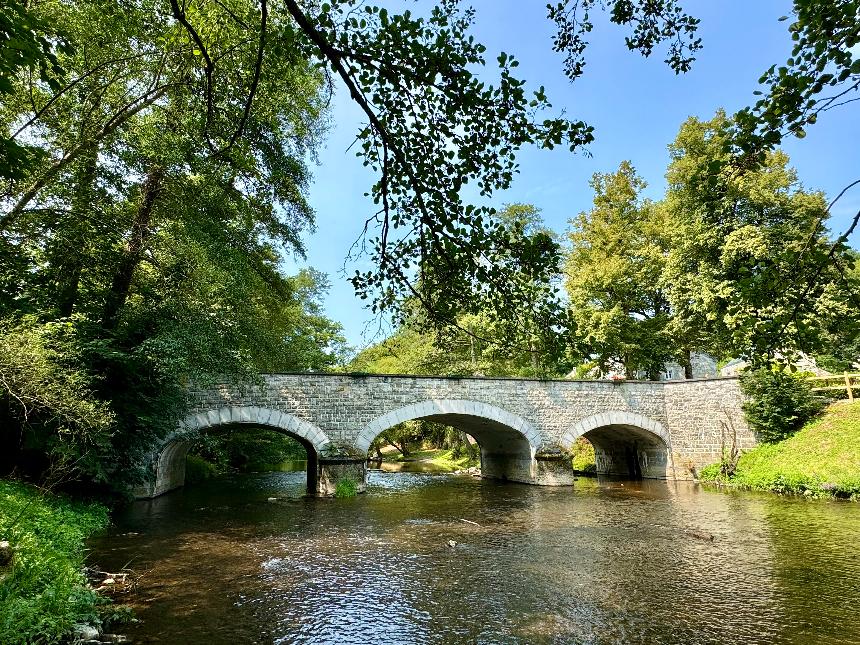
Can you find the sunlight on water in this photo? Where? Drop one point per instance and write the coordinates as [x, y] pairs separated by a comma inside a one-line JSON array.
[[606, 562]]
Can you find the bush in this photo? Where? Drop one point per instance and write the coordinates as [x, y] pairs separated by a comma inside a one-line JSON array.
[[50, 414], [583, 456], [777, 404], [345, 487], [43, 594], [197, 469]]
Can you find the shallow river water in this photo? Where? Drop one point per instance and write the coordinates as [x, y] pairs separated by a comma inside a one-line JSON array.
[[605, 562]]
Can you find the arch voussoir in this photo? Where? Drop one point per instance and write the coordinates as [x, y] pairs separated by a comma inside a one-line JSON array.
[[441, 407]]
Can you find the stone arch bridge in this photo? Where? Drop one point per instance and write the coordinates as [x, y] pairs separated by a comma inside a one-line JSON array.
[[525, 427]]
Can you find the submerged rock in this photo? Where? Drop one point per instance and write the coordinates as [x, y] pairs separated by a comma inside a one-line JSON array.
[[85, 633]]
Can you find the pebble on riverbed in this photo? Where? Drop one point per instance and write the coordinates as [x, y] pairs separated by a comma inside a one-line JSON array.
[[700, 535]]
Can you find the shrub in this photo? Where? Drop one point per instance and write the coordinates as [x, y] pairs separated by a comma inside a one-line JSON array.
[[777, 403], [50, 415], [198, 469], [712, 472], [583, 456], [345, 487]]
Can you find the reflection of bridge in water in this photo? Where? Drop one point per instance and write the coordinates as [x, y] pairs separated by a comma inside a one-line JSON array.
[[525, 428]]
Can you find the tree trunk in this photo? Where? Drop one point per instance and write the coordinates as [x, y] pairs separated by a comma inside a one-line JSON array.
[[140, 232], [473, 355], [688, 364]]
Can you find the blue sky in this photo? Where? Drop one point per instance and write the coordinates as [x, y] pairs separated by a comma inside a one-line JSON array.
[[636, 106]]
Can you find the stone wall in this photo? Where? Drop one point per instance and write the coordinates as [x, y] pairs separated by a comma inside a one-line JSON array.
[[341, 406], [703, 417], [524, 427]]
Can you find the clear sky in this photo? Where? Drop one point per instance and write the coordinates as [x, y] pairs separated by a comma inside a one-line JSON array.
[[636, 106]]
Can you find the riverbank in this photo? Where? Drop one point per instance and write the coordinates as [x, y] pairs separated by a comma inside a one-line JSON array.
[[821, 460], [44, 593], [443, 459]]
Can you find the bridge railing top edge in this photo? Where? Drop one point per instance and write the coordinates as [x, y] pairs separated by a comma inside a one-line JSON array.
[[607, 382]]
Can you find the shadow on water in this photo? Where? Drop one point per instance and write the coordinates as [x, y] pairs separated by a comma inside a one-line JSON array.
[[606, 562]]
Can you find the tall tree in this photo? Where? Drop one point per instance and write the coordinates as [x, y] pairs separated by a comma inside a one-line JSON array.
[[746, 263], [155, 223], [613, 276]]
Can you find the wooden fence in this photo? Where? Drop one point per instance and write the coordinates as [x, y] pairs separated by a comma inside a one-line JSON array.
[[848, 383]]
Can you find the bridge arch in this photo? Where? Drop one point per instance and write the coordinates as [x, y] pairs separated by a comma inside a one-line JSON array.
[[169, 458], [507, 441], [626, 443]]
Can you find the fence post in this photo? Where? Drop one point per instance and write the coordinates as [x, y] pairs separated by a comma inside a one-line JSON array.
[[848, 387]]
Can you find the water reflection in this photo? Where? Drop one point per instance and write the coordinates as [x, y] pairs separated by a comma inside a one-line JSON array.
[[607, 562]]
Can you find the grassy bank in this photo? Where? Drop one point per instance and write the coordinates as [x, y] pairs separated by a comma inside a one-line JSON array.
[[442, 458], [822, 459], [43, 592]]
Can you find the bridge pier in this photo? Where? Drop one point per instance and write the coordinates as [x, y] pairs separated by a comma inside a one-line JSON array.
[[553, 469], [544, 469], [331, 470]]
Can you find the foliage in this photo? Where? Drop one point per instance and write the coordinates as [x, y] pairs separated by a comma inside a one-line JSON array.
[[822, 459], [154, 224], [583, 456], [198, 469], [530, 345], [652, 22], [48, 406], [433, 125], [730, 263], [44, 593], [247, 450], [345, 487], [744, 275], [229, 94], [613, 277], [823, 61], [777, 403], [842, 333], [26, 43]]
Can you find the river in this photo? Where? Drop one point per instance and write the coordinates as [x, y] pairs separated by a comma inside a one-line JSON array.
[[604, 562]]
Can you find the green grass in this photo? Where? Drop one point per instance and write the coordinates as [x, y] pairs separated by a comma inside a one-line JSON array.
[[442, 458], [43, 594], [822, 459], [345, 487]]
